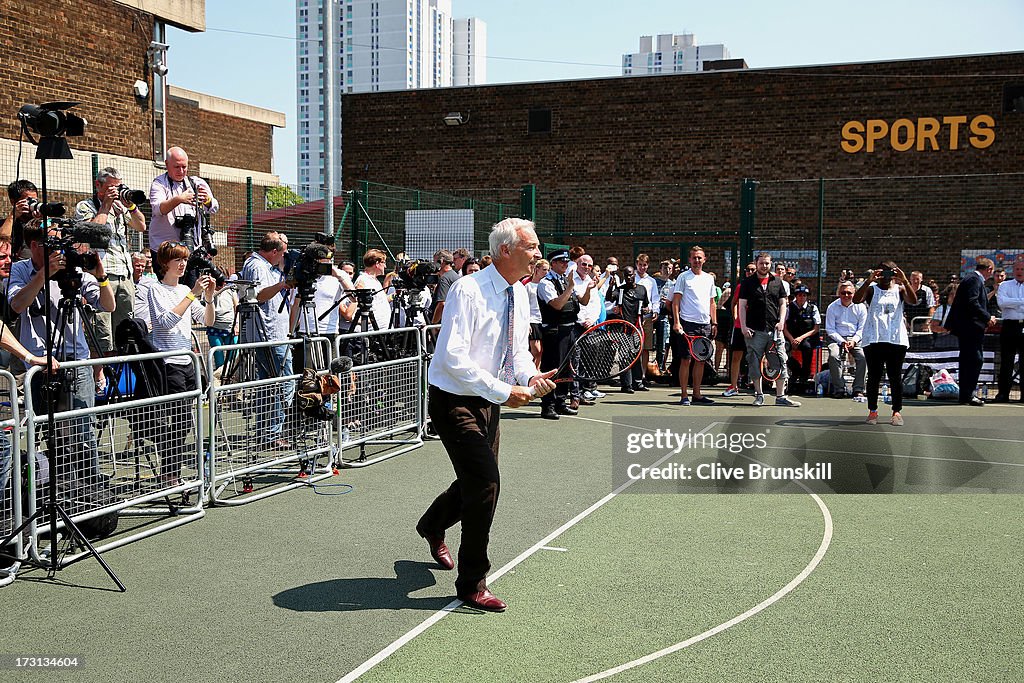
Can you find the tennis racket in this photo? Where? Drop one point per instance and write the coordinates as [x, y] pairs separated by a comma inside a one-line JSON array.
[[771, 363], [702, 349], [602, 352]]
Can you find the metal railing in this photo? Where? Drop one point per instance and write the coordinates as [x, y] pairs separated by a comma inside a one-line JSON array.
[[260, 445], [122, 456]]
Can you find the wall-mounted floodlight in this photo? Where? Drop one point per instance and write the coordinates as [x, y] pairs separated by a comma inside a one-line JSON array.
[[455, 118]]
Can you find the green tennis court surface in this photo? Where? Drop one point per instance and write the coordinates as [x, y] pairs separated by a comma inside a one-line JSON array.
[[309, 587]]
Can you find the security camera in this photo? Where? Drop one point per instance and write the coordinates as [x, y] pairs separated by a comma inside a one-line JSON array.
[[141, 89]]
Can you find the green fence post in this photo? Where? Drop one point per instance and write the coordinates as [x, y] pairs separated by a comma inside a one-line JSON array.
[[821, 235], [748, 196], [248, 211], [95, 166], [358, 199], [528, 202]]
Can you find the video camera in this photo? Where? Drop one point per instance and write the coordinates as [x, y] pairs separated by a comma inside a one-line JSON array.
[[305, 266], [417, 274], [74, 232]]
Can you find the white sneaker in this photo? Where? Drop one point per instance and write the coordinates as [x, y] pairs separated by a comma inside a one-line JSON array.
[[597, 394], [589, 395], [730, 392], [758, 399]]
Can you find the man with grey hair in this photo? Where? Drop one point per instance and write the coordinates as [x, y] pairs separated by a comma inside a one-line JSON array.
[[844, 328], [482, 362], [105, 207], [446, 276], [176, 195]]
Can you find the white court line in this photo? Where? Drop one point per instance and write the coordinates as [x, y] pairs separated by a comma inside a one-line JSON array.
[[898, 455], [454, 604], [826, 540], [875, 432], [560, 550]]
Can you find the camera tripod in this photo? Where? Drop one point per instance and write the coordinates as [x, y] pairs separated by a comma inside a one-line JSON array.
[[70, 311], [365, 349]]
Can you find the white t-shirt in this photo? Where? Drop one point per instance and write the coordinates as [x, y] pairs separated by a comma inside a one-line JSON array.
[[328, 290], [381, 306], [696, 292]]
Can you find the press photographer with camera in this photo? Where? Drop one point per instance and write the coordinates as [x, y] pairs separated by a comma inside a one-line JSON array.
[[264, 267], [74, 273], [318, 281], [374, 265], [114, 205], [25, 207], [172, 308], [174, 197]]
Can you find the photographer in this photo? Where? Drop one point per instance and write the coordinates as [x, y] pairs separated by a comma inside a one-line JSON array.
[[174, 195], [19, 192], [27, 298], [264, 268], [330, 298], [172, 308], [374, 265], [106, 208]]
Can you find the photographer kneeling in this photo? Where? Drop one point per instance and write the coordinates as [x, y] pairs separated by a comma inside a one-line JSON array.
[[172, 308]]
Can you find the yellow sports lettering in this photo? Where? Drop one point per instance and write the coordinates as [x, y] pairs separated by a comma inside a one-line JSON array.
[[982, 133], [954, 123], [853, 137], [909, 130], [928, 129], [877, 130]]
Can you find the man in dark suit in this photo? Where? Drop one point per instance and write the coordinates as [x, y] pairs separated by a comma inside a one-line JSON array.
[[967, 320]]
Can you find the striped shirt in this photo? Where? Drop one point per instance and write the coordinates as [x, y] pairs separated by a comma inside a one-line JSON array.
[[172, 332]]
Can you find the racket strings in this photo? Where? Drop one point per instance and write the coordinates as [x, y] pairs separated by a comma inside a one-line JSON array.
[[606, 352]]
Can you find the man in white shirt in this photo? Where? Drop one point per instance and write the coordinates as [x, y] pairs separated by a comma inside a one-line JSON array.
[[844, 327], [374, 264], [482, 362], [1010, 296], [694, 312], [173, 195]]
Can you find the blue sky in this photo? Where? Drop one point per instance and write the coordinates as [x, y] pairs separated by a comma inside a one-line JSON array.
[[532, 40]]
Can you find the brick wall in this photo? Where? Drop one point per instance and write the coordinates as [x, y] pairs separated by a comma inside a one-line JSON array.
[[92, 53], [86, 52], [666, 154]]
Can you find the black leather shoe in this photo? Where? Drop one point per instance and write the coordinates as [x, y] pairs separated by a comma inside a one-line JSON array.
[[566, 410], [641, 387], [548, 413], [438, 550], [485, 600], [627, 390], [975, 401]]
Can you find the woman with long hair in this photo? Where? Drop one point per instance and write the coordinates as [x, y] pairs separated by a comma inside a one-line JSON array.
[[885, 339]]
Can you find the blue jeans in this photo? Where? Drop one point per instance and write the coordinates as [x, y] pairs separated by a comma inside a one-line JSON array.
[[219, 337], [280, 395]]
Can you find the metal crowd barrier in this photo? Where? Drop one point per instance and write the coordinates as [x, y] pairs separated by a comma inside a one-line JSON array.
[[381, 404], [260, 444], [10, 476], [124, 456]]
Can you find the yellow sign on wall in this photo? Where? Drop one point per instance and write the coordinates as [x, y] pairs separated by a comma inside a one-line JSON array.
[[926, 134]]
